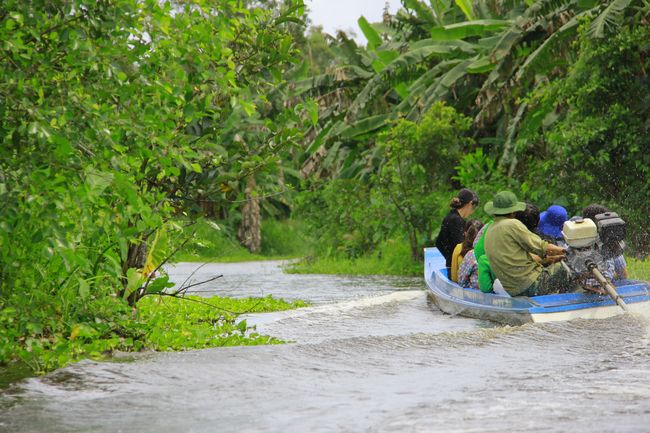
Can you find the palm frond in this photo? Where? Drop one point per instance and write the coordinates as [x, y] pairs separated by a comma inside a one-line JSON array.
[[610, 19], [467, 8], [546, 7], [542, 54], [441, 87], [467, 29], [422, 51]]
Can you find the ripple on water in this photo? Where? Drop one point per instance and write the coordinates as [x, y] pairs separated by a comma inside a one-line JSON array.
[[377, 360]]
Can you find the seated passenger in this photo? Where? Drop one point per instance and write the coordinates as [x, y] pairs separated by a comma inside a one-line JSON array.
[[451, 229], [462, 248], [468, 271], [479, 244], [508, 246], [486, 278], [529, 217], [550, 225], [617, 266]]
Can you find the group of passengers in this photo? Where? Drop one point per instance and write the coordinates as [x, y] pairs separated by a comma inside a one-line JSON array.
[[518, 252]]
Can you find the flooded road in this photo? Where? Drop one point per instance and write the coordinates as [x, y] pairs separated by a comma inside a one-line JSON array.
[[371, 355]]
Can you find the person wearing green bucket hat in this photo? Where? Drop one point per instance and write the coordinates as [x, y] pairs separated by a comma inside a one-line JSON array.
[[509, 245], [504, 203]]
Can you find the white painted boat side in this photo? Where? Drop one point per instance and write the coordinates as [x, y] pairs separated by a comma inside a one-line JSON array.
[[590, 313]]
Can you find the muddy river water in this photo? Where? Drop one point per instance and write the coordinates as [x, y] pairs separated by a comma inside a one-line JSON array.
[[371, 355]]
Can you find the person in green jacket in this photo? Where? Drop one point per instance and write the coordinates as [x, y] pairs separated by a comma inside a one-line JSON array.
[[485, 275], [509, 245]]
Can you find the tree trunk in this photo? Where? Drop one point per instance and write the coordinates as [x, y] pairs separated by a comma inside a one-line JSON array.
[[416, 252], [136, 258], [249, 232]]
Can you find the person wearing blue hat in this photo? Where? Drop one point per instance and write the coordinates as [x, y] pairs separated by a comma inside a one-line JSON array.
[[550, 224], [509, 245]]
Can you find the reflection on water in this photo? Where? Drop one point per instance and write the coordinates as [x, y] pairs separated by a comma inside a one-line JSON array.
[[378, 360]]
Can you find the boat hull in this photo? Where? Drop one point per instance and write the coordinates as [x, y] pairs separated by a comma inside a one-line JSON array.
[[453, 299]]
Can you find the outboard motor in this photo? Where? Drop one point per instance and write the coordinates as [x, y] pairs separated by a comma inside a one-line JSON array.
[[591, 243]]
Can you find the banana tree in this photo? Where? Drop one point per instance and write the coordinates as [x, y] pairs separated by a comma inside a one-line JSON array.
[[483, 58], [432, 54]]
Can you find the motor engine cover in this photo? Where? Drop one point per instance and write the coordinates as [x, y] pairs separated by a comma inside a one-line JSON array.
[[580, 233], [611, 231]]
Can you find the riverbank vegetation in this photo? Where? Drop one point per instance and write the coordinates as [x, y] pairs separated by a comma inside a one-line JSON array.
[[639, 269], [43, 342], [130, 130], [214, 241]]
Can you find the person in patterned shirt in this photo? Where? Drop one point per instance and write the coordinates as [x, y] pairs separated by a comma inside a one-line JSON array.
[[468, 271]]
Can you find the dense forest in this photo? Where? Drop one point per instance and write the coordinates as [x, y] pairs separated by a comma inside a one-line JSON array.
[[124, 122]]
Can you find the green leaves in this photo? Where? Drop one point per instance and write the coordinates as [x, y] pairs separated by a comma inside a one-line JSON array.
[[416, 158], [468, 29], [466, 7], [374, 40], [115, 117], [609, 19]]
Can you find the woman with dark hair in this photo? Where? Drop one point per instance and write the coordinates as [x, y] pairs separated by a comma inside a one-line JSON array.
[[452, 228], [472, 227]]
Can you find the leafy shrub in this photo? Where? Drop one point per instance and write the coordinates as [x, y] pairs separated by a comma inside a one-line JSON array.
[[346, 217], [419, 158], [391, 257], [284, 238]]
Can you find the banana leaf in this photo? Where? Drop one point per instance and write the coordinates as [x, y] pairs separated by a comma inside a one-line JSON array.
[[365, 125], [467, 29]]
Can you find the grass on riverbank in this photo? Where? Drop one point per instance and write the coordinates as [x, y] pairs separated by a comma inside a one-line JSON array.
[[160, 323], [216, 242], [392, 258], [638, 269]]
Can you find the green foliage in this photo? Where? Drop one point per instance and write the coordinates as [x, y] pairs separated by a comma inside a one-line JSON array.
[[162, 323], [194, 323], [418, 158], [345, 217], [638, 269], [611, 17], [216, 242], [212, 241], [44, 343], [98, 121], [391, 257], [286, 238], [319, 55], [115, 116]]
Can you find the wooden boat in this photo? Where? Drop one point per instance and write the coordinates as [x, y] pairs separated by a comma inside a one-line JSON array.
[[456, 300]]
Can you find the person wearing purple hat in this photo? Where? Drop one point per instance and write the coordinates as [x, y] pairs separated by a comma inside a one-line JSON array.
[[550, 224]]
